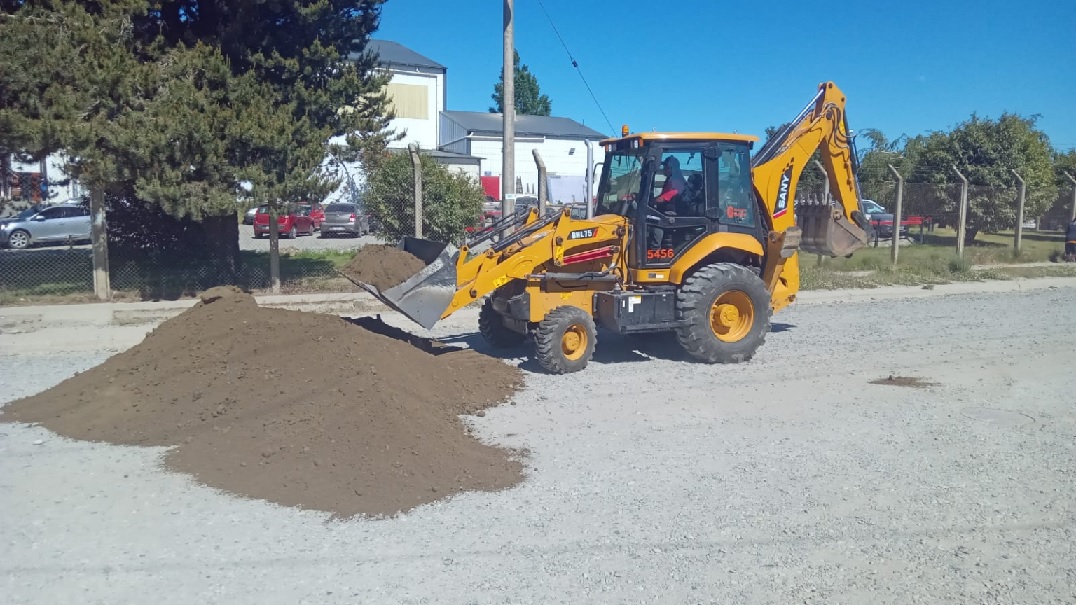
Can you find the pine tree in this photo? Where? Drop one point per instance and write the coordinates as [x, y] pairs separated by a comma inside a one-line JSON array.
[[529, 99]]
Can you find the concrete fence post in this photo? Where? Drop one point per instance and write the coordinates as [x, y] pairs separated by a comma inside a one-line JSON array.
[[1019, 214], [825, 181], [543, 193], [1072, 211], [102, 286], [962, 219], [417, 162], [898, 215]]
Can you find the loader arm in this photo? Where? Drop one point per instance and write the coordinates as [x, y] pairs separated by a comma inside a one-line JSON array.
[[531, 248], [563, 245]]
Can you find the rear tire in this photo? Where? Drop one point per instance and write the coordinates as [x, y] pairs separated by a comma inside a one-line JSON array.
[[294, 233], [725, 314], [491, 325], [565, 339]]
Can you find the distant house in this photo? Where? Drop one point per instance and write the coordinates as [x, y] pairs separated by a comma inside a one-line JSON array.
[[470, 141], [562, 143], [417, 97]]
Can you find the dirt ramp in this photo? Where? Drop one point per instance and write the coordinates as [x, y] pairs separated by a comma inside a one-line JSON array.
[[297, 408], [382, 266]]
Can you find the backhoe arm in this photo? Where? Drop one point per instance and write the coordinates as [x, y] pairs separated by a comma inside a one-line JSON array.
[[828, 230]]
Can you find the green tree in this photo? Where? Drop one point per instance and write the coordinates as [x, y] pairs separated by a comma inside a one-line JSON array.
[[529, 99], [178, 103], [986, 152], [451, 201]]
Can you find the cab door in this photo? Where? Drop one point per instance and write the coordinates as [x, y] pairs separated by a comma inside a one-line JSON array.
[[674, 210]]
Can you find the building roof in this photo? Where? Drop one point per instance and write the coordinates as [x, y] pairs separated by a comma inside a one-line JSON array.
[[478, 122], [395, 54], [442, 154]]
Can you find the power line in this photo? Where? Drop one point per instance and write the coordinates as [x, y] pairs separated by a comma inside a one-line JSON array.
[[575, 64]]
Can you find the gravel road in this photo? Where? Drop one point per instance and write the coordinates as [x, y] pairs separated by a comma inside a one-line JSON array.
[[791, 479]]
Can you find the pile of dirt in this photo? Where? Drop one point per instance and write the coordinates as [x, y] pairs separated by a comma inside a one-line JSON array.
[[297, 408], [382, 266]]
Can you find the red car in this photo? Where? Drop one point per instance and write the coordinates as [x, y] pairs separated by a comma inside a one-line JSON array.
[[316, 213], [291, 222]]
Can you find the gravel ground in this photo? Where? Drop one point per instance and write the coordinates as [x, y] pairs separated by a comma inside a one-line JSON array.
[[791, 479], [303, 242]]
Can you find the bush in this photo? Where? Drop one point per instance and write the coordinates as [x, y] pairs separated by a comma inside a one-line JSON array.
[[451, 201]]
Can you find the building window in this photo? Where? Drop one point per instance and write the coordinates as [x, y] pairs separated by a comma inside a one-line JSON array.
[[409, 100]]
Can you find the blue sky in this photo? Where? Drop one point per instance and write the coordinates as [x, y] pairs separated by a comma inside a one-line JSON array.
[[906, 67]]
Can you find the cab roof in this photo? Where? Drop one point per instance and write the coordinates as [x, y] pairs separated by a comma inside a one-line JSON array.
[[648, 137]]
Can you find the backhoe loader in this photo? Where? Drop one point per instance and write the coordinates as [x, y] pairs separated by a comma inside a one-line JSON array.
[[689, 234]]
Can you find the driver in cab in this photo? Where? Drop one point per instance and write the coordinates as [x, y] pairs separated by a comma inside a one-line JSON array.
[[663, 202]]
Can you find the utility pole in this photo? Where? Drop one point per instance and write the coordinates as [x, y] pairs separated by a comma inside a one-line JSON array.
[[1072, 215], [508, 148], [1019, 213], [590, 180], [963, 213], [897, 214]]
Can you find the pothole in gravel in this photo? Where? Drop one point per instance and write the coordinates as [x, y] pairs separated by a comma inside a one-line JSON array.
[[905, 381], [996, 416]]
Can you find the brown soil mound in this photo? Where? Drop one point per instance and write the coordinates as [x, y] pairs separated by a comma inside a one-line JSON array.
[[382, 266], [297, 408]]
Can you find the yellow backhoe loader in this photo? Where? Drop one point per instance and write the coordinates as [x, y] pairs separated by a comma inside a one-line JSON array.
[[689, 234]]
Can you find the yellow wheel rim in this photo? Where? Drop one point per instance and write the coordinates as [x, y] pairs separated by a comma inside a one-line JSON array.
[[574, 342], [732, 316]]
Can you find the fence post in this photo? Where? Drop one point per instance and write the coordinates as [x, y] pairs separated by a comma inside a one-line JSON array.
[[898, 214], [963, 214], [825, 182], [1072, 216], [542, 192], [1019, 213], [417, 162], [102, 285]]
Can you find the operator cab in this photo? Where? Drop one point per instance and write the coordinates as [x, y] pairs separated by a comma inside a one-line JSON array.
[[678, 188]]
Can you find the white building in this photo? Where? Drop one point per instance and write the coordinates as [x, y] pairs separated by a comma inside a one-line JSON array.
[[561, 142]]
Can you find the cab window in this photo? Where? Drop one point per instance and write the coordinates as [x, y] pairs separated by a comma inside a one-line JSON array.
[[734, 204]]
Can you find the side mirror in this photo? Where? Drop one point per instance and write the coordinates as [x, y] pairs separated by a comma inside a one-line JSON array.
[[37, 218]]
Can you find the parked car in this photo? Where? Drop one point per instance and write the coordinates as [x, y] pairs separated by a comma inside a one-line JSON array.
[[881, 220], [248, 218], [291, 222], [55, 224], [315, 212], [345, 218]]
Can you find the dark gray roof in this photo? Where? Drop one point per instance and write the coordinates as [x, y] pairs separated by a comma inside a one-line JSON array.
[[478, 122], [394, 53]]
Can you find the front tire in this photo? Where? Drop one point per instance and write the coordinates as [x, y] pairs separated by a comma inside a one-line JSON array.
[[491, 325], [565, 339], [19, 240], [724, 310]]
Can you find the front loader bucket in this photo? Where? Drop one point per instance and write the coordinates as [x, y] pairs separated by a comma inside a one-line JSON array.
[[827, 231], [425, 296]]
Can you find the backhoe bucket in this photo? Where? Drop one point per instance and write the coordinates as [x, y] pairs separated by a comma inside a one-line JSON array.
[[425, 296], [827, 231]]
